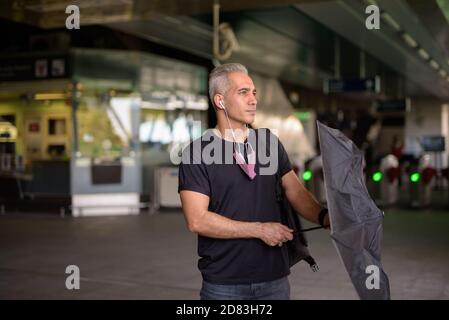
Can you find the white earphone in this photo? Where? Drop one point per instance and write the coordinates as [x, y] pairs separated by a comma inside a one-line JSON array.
[[221, 104]]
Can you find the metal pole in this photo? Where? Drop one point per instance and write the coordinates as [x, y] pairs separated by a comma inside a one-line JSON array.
[[362, 64], [216, 13], [74, 102], [337, 57]]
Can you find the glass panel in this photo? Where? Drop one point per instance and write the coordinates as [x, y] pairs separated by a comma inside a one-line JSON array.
[[104, 128], [56, 127], [169, 127]]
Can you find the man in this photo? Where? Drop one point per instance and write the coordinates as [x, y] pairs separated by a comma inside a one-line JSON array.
[[232, 206]]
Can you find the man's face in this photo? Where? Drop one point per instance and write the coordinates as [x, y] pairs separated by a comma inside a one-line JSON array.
[[240, 100]]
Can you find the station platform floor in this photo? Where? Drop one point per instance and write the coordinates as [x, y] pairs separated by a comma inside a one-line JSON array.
[[154, 257]]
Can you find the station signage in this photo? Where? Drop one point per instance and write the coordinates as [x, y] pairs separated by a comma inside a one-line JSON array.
[[393, 105], [34, 67], [352, 85]]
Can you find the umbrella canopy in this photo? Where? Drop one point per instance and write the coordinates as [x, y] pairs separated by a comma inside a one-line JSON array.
[[356, 222]]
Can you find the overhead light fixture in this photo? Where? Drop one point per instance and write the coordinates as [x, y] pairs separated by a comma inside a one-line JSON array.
[[434, 64], [50, 96], [172, 20], [391, 21], [373, 2], [443, 73], [423, 54], [409, 40]]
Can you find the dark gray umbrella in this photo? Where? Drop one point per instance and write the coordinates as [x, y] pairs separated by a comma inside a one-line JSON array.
[[356, 222]]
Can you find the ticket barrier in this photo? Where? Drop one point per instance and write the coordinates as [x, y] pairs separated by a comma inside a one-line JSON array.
[[389, 168], [314, 179], [421, 183]]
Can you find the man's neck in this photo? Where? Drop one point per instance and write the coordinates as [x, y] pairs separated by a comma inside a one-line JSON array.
[[240, 131]]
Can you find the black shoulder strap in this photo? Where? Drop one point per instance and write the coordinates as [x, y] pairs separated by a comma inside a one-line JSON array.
[[298, 247]]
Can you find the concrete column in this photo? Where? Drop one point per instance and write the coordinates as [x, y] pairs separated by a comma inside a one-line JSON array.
[[427, 117]]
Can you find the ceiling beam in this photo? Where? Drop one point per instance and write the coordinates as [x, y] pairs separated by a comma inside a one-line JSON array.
[[51, 13]]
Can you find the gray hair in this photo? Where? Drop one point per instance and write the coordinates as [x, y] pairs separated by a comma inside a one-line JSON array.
[[218, 78]]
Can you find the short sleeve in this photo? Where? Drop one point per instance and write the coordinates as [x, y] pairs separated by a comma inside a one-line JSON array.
[[284, 162], [285, 165], [193, 176]]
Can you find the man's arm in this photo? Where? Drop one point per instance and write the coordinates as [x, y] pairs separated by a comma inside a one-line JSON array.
[[301, 199], [206, 223]]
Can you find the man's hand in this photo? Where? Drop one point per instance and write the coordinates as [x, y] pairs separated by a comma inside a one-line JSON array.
[[274, 234], [213, 225], [323, 218], [327, 222]]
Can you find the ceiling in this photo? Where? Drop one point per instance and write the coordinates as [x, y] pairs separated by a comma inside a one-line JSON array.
[[292, 40], [51, 13], [346, 18], [435, 18]]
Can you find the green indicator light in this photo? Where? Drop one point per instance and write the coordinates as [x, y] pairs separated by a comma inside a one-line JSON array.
[[415, 177], [307, 175], [377, 176], [302, 115]]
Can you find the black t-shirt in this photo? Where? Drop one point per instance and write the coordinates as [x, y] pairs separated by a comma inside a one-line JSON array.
[[235, 196]]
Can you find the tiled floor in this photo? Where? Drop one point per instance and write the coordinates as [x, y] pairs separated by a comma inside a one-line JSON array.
[[154, 257]]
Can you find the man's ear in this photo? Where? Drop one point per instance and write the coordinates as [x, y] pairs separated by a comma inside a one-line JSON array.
[[218, 101]]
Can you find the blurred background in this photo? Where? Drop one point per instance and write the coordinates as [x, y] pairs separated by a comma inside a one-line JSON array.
[[95, 97]]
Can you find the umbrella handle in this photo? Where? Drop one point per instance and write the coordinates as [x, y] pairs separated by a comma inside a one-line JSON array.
[[308, 229]]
